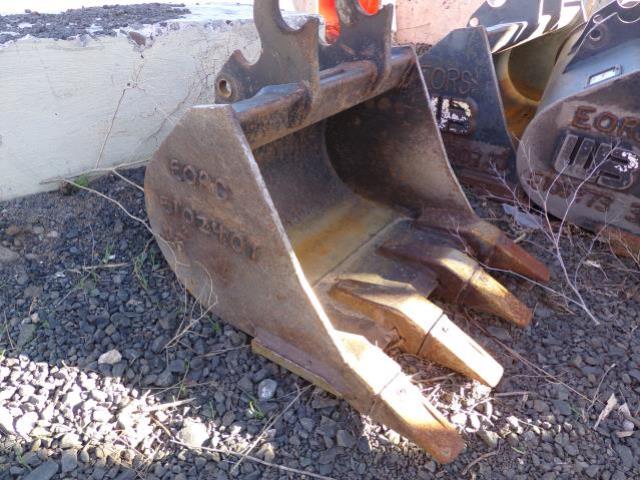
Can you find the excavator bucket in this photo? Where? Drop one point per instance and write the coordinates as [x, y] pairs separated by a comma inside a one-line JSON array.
[[316, 211], [461, 78], [513, 22], [486, 81], [524, 59], [580, 157]]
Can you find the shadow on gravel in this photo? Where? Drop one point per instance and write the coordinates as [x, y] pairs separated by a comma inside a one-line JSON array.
[[109, 370]]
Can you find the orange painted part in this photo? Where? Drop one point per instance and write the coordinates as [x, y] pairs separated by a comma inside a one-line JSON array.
[[328, 11]]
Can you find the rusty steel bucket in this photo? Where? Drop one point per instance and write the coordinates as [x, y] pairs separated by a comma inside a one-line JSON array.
[[317, 211], [579, 158], [466, 100], [486, 82]]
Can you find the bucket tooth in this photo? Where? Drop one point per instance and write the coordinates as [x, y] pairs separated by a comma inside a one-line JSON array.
[[422, 328], [396, 306], [399, 404], [375, 385], [448, 345], [496, 250], [488, 244], [622, 243], [460, 278]]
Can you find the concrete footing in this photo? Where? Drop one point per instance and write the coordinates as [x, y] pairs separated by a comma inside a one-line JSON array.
[[94, 102]]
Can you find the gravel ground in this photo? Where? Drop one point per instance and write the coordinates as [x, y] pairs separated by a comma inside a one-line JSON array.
[[108, 369], [97, 21]]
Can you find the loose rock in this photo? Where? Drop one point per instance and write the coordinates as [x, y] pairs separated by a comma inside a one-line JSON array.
[[43, 472], [7, 256], [69, 461], [110, 358], [345, 439], [26, 423], [70, 440], [27, 332], [6, 420], [267, 389], [490, 438], [193, 434]]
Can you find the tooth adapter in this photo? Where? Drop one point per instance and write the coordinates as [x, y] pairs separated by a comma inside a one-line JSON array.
[[317, 211]]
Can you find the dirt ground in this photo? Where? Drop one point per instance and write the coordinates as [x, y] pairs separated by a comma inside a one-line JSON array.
[[106, 20]]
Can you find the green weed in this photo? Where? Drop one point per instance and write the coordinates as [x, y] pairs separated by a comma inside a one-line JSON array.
[[81, 182], [255, 411], [108, 253], [138, 265], [215, 326], [521, 451]]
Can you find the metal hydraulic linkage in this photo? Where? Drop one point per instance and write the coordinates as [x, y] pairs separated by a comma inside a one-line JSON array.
[[316, 211], [580, 156]]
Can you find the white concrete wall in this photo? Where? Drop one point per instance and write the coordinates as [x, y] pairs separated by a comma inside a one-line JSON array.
[[70, 106]]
